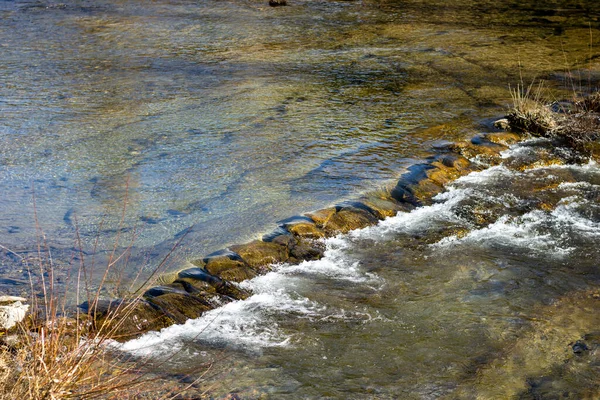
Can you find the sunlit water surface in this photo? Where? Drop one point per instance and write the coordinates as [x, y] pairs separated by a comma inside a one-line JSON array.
[[228, 116]]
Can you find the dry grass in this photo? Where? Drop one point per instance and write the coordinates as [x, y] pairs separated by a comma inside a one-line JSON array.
[[577, 127], [528, 113]]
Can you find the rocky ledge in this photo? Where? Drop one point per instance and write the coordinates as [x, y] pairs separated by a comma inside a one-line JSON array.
[[209, 282]]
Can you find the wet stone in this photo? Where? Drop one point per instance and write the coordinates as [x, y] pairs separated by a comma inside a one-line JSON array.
[[277, 3], [579, 348], [179, 307], [259, 255], [279, 231], [486, 152], [126, 320], [229, 269], [306, 229], [321, 217], [225, 253], [441, 174], [305, 249], [504, 138], [383, 208], [502, 124], [198, 274], [458, 162], [348, 219], [157, 291]]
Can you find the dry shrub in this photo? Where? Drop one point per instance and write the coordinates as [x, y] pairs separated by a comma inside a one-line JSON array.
[[590, 103], [578, 127], [529, 114]]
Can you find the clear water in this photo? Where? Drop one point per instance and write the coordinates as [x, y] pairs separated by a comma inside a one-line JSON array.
[[228, 116]]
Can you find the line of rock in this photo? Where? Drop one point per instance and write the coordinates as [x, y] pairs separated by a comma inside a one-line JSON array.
[[210, 282]]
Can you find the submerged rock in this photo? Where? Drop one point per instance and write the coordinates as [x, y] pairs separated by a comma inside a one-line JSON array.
[[488, 152]]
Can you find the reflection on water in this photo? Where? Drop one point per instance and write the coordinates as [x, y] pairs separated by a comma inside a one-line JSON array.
[[231, 115]]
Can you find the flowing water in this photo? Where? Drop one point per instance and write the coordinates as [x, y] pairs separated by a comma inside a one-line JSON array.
[[481, 295], [228, 116]]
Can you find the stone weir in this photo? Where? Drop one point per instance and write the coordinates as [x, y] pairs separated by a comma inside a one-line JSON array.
[[209, 282]]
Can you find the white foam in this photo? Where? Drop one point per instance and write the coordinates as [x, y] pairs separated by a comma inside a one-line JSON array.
[[418, 219], [521, 232], [578, 186], [523, 148], [538, 231], [489, 175], [250, 324], [566, 214], [335, 264], [240, 324]]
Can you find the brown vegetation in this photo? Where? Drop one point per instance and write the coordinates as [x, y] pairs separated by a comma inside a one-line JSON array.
[[577, 127]]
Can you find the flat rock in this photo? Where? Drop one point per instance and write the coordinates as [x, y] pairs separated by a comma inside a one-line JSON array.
[[259, 255], [348, 219], [229, 269]]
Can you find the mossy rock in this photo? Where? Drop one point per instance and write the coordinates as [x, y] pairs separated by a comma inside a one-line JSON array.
[[504, 138], [321, 217], [456, 161], [124, 320], [348, 219], [593, 149], [181, 307], [233, 291], [305, 229], [415, 187], [469, 150], [191, 280], [306, 250], [384, 208], [259, 255], [441, 174], [426, 189], [300, 249], [228, 269]]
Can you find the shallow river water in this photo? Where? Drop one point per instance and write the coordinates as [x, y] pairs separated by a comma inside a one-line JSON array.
[[227, 116], [483, 294]]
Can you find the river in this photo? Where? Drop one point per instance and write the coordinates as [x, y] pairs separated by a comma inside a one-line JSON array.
[[222, 118]]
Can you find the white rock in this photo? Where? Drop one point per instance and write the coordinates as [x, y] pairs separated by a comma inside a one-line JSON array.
[[12, 314], [11, 299]]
